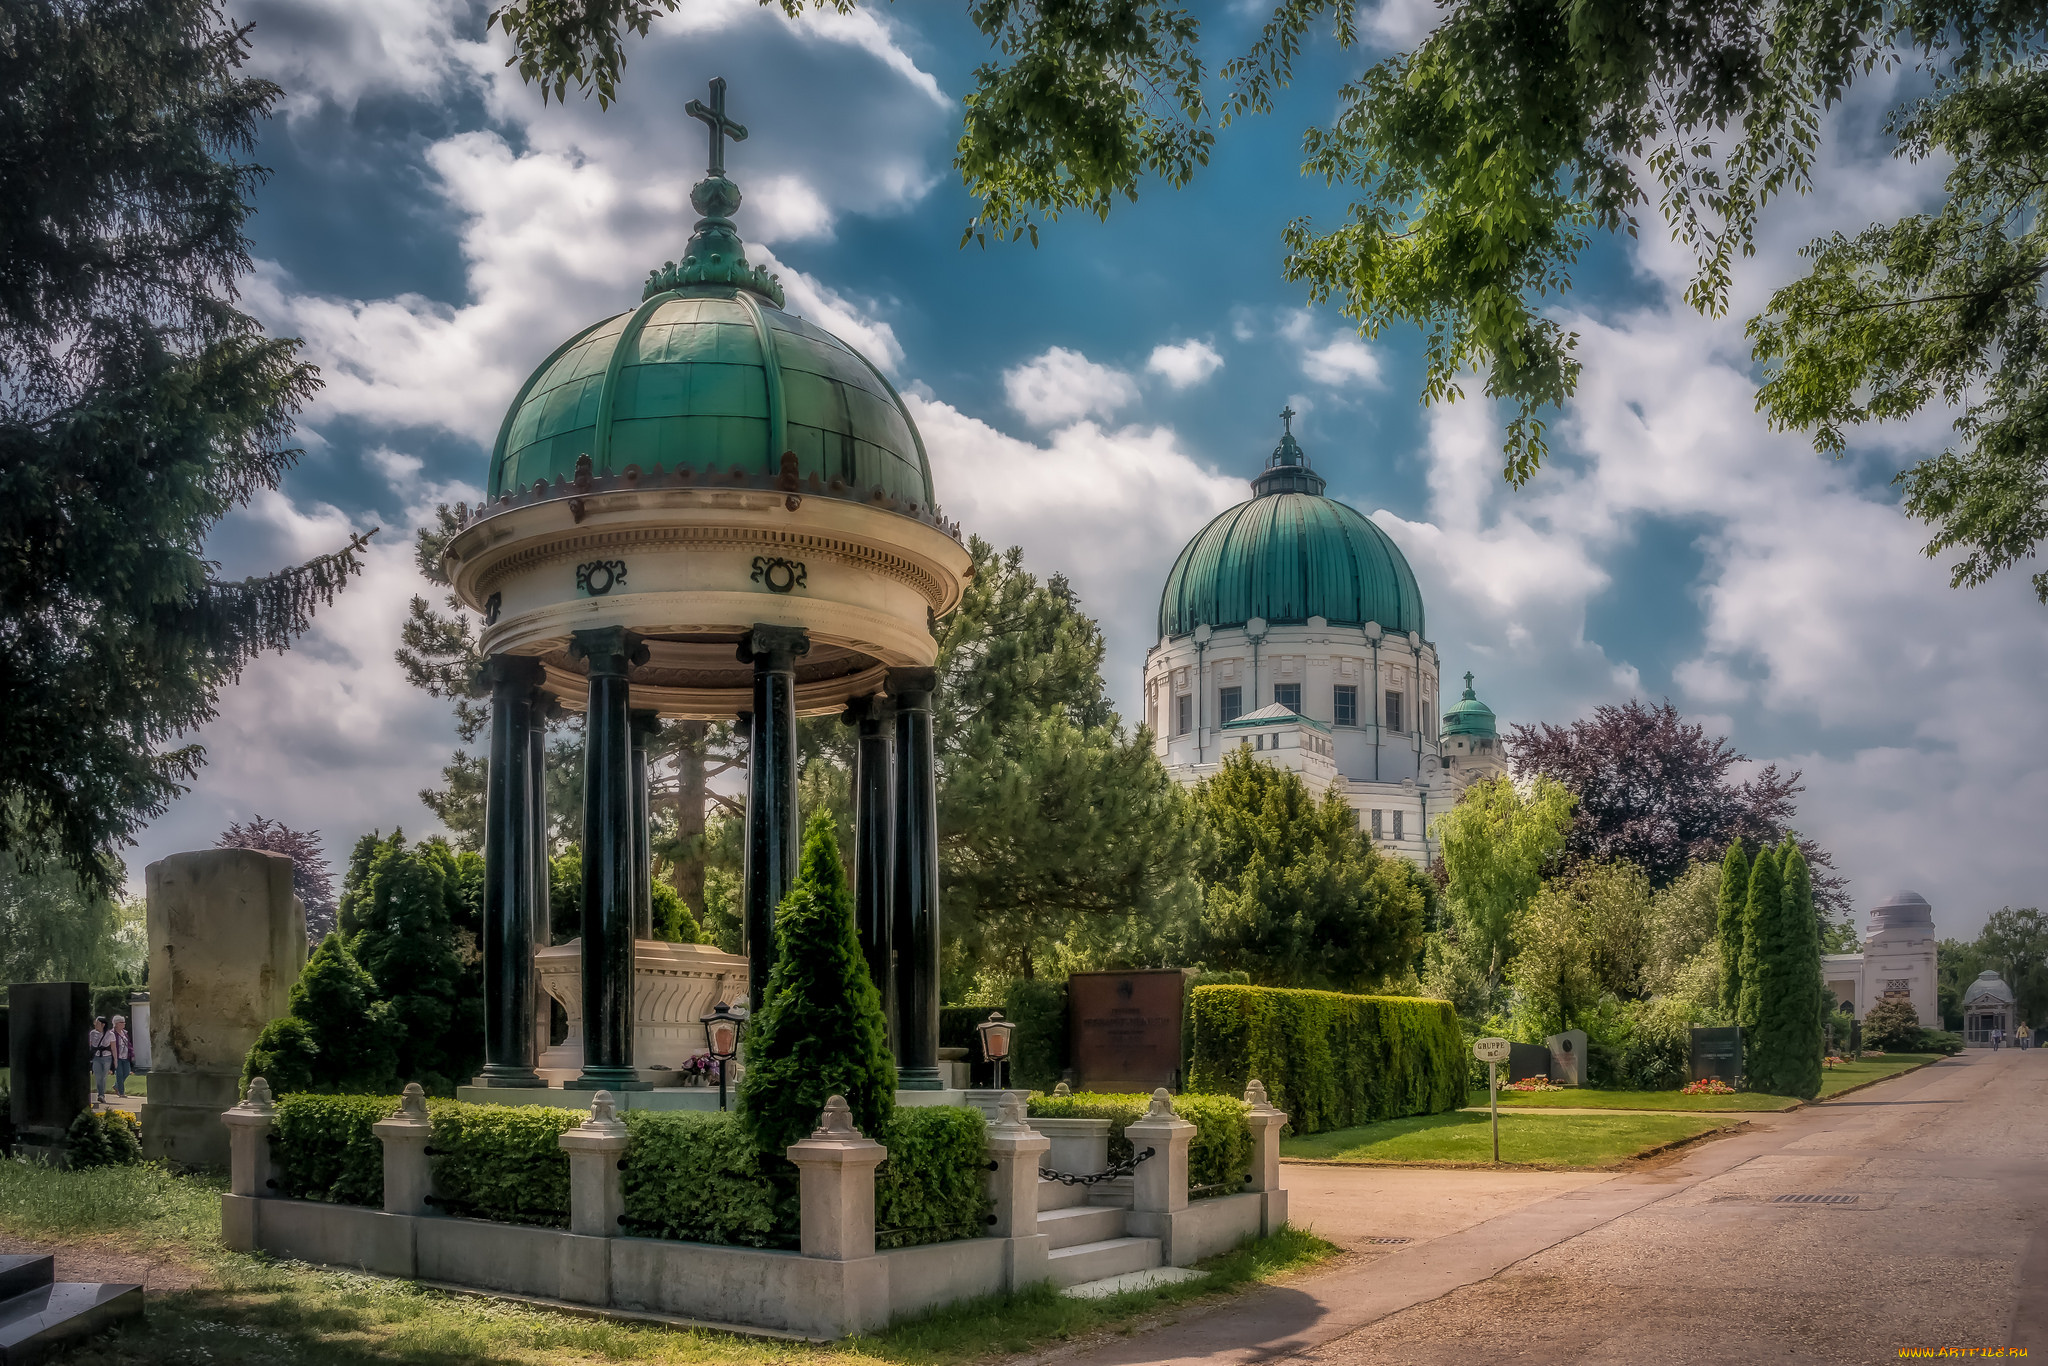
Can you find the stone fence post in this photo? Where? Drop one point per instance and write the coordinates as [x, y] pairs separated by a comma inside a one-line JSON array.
[[1266, 1123], [1015, 1151], [596, 1199], [1160, 1183], [408, 1178], [249, 1165], [837, 1172]]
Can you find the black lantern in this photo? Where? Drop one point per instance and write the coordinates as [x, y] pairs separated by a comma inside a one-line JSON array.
[[724, 1027], [995, 1034]]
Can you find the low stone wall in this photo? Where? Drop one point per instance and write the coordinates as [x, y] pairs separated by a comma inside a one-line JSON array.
[[836, 1285]]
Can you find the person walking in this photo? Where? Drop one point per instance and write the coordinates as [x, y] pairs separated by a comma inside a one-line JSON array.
[[2026, 1037], [1997, 1039], [124, 1055], [101, 1042]]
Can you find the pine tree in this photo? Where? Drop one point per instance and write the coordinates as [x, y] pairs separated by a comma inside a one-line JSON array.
[[1784, 1052], [1728, 926], [1759, 911], [138, 407], [820, 1031], [337, 1000]]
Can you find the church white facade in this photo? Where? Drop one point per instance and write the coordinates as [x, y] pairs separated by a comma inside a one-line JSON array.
[[1292, 625]]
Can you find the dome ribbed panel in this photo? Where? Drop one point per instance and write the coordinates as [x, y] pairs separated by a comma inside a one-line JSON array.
[[1288, 557]]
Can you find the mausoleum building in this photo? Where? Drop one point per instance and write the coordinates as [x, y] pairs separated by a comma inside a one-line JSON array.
[[1292, 625], [1897, 960]]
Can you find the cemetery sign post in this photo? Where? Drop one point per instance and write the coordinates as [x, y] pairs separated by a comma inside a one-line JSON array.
[[1492, 1052]]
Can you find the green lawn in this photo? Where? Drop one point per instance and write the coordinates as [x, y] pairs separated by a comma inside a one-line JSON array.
[[1835, 1080], [1586, 1098], [250, 1311], [1531, 1140]]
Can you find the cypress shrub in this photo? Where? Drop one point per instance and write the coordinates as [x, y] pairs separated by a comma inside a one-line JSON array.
[[697, 1176], [502, 1162], [1759, 911], [1221, 1151], [284, 1055], [820, 1031], [406, 944], [1728, 926], [326, 1151], [672, 919], [1783, 1058], [1330, 1060]]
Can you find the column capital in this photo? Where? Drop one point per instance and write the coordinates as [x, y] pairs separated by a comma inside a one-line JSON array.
[[608, 649], [907, 685], [644, 724], [508, 672], [869, 713], [775, 647]]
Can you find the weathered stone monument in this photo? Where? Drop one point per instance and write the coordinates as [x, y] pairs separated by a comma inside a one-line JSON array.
[[1717, 1053], [1567, 1057], [226, 942], [48, 1063]]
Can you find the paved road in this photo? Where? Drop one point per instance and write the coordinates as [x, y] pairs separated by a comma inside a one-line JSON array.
[[1699, 1260]]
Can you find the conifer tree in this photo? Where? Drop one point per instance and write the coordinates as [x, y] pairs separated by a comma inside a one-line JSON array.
[[1784, 1054], [1759, 911], [1728, 926], [820, 1031], [138, 407], [406, 943], [338, 1001]]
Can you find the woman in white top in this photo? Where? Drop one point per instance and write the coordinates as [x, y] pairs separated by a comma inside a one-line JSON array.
[[124, 1054]]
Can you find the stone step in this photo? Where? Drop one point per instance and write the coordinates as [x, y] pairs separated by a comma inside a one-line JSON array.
[[22, 1273], [36, 1325], [1099, 1261], [1131, 1280], [1081, 1224], [1059, 1195]]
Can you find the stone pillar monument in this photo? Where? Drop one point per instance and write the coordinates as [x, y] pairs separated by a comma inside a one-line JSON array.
[[226, 942]]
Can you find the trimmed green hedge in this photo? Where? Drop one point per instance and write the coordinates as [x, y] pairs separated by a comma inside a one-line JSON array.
[[1219, 1157], [502, 1162], [1329, 1060], [324, 1150], [696, 1175], [930, 1187]]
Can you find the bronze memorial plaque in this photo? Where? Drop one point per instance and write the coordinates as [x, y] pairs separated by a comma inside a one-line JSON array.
[[1126, 1029]]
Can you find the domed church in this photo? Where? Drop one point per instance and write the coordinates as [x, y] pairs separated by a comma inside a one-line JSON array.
[[1292, 625]]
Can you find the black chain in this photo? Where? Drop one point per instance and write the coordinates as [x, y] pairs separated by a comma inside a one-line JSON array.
[[1115, 1170]]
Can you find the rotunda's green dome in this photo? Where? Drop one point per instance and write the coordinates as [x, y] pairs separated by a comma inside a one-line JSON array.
[[1470, 716], [1287, 555], [710, 374]]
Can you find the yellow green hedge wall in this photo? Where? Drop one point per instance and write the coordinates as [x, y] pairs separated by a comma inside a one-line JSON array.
[[1329, 1060]]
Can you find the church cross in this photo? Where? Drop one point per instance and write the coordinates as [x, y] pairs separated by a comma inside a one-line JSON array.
[[1287, 417], [714, 119]]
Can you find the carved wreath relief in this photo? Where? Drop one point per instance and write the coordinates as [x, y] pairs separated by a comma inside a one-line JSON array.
[[599, 577], [779, 575]]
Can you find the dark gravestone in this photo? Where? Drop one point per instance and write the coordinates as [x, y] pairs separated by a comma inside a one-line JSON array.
[[1126, 1029], [1855, 1038], [1717, 1053], [49, 1062], [1526, 1060]]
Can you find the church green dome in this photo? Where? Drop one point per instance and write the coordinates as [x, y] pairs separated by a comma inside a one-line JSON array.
[[1287, 555], [709, 374], [1470, 716]]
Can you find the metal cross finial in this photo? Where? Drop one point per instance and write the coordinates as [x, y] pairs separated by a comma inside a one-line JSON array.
[[1468, 680], [1287, 417], [713, 117]]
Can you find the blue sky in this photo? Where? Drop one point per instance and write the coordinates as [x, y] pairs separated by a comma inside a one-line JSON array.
[[432, 230]]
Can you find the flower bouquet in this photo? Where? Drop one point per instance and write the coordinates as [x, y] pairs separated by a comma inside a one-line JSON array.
[[1708, 1086]]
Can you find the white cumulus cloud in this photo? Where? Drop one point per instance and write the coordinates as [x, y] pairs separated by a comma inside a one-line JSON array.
[[1065, 386], [1185, 364]]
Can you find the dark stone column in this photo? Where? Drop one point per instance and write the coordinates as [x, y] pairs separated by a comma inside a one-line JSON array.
[[772, 833], [544, 709], [645, 723], [608, 809], [873, 835], [915, 920], [509, 1003]]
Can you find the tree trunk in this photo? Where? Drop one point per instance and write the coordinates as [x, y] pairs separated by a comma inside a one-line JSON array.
[[686, 874]]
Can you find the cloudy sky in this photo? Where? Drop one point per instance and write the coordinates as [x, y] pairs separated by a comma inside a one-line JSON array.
[[432, 230]]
